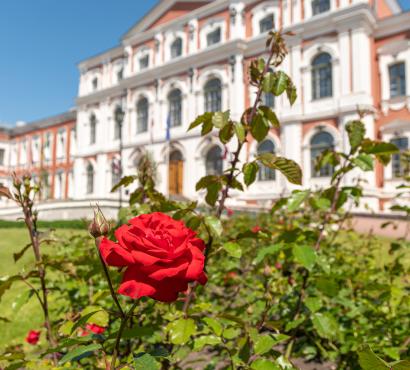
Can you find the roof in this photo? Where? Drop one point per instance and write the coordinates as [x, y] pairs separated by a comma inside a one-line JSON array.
[[155, 13], [44, 123]]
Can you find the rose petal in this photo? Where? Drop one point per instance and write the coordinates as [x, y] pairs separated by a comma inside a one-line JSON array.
[[114, 254]]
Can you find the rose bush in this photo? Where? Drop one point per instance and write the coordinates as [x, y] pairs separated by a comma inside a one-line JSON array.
[[161, 255]]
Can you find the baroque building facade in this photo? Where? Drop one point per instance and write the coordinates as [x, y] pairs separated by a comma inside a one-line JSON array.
[[187, 57]]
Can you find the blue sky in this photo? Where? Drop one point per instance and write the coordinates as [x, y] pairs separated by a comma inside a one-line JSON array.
[[43, 40]]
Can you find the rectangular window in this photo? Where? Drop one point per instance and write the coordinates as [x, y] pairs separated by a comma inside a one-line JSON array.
[[400, 162], [144, 62], [2, 151], [120, 74], [213, 37], [397, 75], [320, 6]]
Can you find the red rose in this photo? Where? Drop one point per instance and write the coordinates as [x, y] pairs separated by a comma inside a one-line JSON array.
[[229, 212], [33, 337], [256, 229], [161, 255]]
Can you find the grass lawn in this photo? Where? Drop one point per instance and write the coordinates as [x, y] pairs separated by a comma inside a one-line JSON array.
[[28, 316]]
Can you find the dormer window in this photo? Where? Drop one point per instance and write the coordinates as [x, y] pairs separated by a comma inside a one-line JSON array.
[[94, 83], [144, 62], [266, 24], [176, 48], [320, 6], [213, 37]]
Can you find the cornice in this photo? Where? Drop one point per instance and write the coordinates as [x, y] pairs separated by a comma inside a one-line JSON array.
[[392, 25]]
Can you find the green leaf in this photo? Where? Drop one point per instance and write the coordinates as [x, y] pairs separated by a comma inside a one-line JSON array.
[[220, 119], [206, 117], [325, 325], [144, 361], [100, 316], [6, 282], [264, 364], [21, 300], [379, 147], [214, 225], [401, 365], [213, 193], [356, 131], [263, 344], [270, 116], [181, 330], [125, 181], [214, 325], [305, 255], [233, 249], [290, 169], [83, 320], [280, 83], [268, 82], [259, 127], [294, 324], [80, 352], [207, 127], [328, 286], [206, 340], [291, 92], [364, 162], [298, 197], [369, 361], [266, 251], [240, 132], [226, 133], [314, 304], [250, 171], [205, 181]]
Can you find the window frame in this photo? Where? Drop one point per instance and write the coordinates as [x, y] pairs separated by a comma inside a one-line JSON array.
[[213, 95], [93, 129], [141, 116], [398, 169], [176, 48], [90, 173], [174, 111], [320, 6], [327, 170], [210, 35], [266, 174], [214, 166], [399, 80], [271, 17], [322, 85]]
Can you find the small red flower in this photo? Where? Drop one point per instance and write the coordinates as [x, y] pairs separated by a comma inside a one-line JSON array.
[[256, 229], [161, 255], [33, 337], [278, 265], [229, 212]]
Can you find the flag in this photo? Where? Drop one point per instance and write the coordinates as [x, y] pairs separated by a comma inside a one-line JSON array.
[[168, 133]]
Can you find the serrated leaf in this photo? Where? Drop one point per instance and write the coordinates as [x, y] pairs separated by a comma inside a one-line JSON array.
[[364, 162], [220, 119], [259, 127], [356, 131], [314, 304], [264, 364], [226, 133], [240, 131], [325, 325], [80, 352], [144, 361], [401, 365], [297, 199], [289, 168], [83, 320], [100, 316], [214, 325], [280, 84], [206, 117], [250, 171], [215, 225], [233, 249], [291, 92], [206, 340], [305, 255], [379, 147], [181, 330], [270, 115], [263, 344], [369, 361], [266, 251]]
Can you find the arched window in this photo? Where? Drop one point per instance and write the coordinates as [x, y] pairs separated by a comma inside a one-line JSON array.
[[318, 144], [142, 115], [266, 23], [320, 6], [214, 162], [322, 76], [266, 173], [90, 178], [213, 95], [175, 108], [176, 48], [93, 128]]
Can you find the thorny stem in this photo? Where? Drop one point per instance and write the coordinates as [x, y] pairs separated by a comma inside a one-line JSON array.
[[108, 278], [124, 321], [29, 220]]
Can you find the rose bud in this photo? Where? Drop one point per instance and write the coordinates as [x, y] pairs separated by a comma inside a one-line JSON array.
[[161, 256], [33, 337], [278, 266], [256, 229], [99, 226], [229, 212]]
